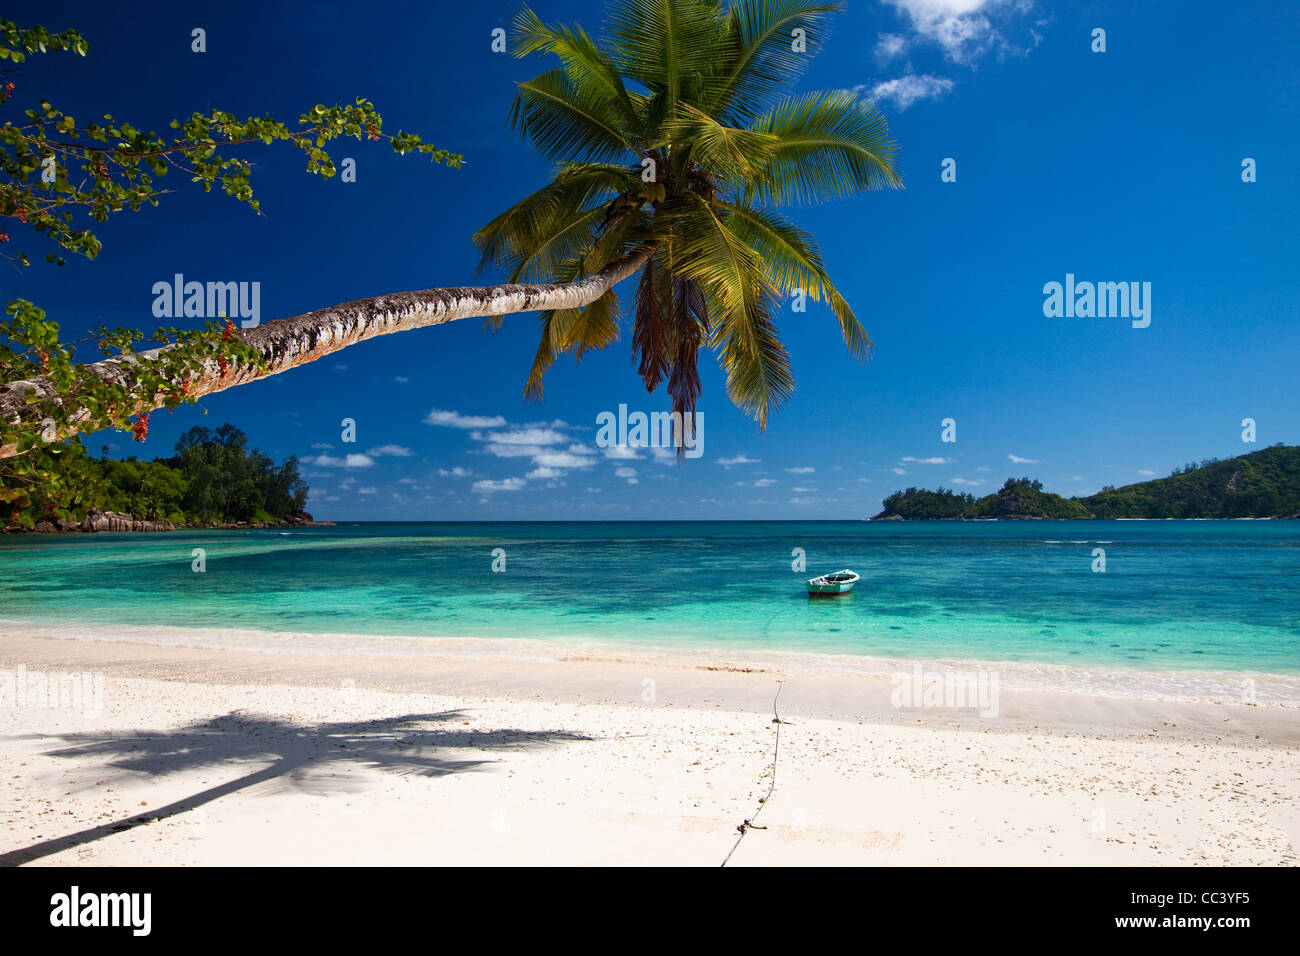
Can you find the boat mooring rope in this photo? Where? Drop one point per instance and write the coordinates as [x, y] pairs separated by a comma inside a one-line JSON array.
[[749, 824]]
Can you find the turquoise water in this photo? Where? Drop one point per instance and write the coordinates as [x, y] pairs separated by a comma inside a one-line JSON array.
[[1175, 594]]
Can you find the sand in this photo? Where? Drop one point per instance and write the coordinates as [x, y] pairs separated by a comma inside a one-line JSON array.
[[203, 756]]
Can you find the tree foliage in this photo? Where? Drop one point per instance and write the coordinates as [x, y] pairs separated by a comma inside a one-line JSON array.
[[1263, 484], [676, 132], [214, 478], [59, 175]]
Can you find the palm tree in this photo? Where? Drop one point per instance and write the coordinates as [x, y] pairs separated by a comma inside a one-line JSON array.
[[677, 142]]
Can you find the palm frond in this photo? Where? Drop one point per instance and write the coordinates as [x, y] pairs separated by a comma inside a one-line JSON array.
[[650, 329], [735, 155], [566, 121], [742, 300], [793, 261], [586, 64], [829, 146], [539, 222], [765, 53], [671, 47], [554, 323], [595, 327], [575, 331]]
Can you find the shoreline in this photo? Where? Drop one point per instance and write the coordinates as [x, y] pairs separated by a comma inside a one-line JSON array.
[[1173, 685], [467, 667]]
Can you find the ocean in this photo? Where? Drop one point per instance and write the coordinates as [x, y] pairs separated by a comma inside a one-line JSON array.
[[1174, 595]]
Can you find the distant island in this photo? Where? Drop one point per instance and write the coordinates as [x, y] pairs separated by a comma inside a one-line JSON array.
[[213, 481], [1262, 484]]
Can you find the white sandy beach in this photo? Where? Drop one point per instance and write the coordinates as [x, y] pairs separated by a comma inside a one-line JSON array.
[[203, 756]]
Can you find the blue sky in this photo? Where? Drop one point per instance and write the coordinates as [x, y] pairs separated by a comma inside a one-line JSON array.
[[1116, 166]]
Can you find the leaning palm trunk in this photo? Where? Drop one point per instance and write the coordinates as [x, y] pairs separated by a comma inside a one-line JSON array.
[[288, 343]]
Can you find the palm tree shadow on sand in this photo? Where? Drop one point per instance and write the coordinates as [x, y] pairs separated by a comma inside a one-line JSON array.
[[301, 757]]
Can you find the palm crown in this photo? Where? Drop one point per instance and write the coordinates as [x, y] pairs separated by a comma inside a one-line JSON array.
[[678, 141]]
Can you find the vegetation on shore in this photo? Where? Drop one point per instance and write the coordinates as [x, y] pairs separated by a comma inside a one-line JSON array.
[[214, 478], [1262, 484]]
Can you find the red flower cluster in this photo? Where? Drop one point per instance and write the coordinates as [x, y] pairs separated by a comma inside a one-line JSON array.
[[142, 427]]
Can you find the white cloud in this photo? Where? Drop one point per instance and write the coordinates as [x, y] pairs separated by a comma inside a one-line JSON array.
[[740, 459], [506, 484], [561, 459], [900, 471], [959, 27], [545, 473], [369, 490], [908, 89], [968, 481], [514, 451], [396, 451], [929, 461], [981, 468], [1023, 461], [456, 472], [802, 490], [523, 436], [890, 45], [322, 446], [351, 461], [400, 379], [1141, 471], [625, 472], [804, 470], [457, 420], [621, 452]]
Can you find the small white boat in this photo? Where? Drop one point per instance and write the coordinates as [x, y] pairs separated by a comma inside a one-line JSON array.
[[841, 582]]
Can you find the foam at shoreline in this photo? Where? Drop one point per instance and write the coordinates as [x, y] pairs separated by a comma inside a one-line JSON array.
[[1173, 685]]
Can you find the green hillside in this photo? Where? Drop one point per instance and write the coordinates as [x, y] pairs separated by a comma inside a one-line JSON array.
[[1263, 484]]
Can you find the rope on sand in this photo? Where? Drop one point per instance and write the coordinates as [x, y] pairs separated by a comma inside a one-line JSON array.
[[749, 824]]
